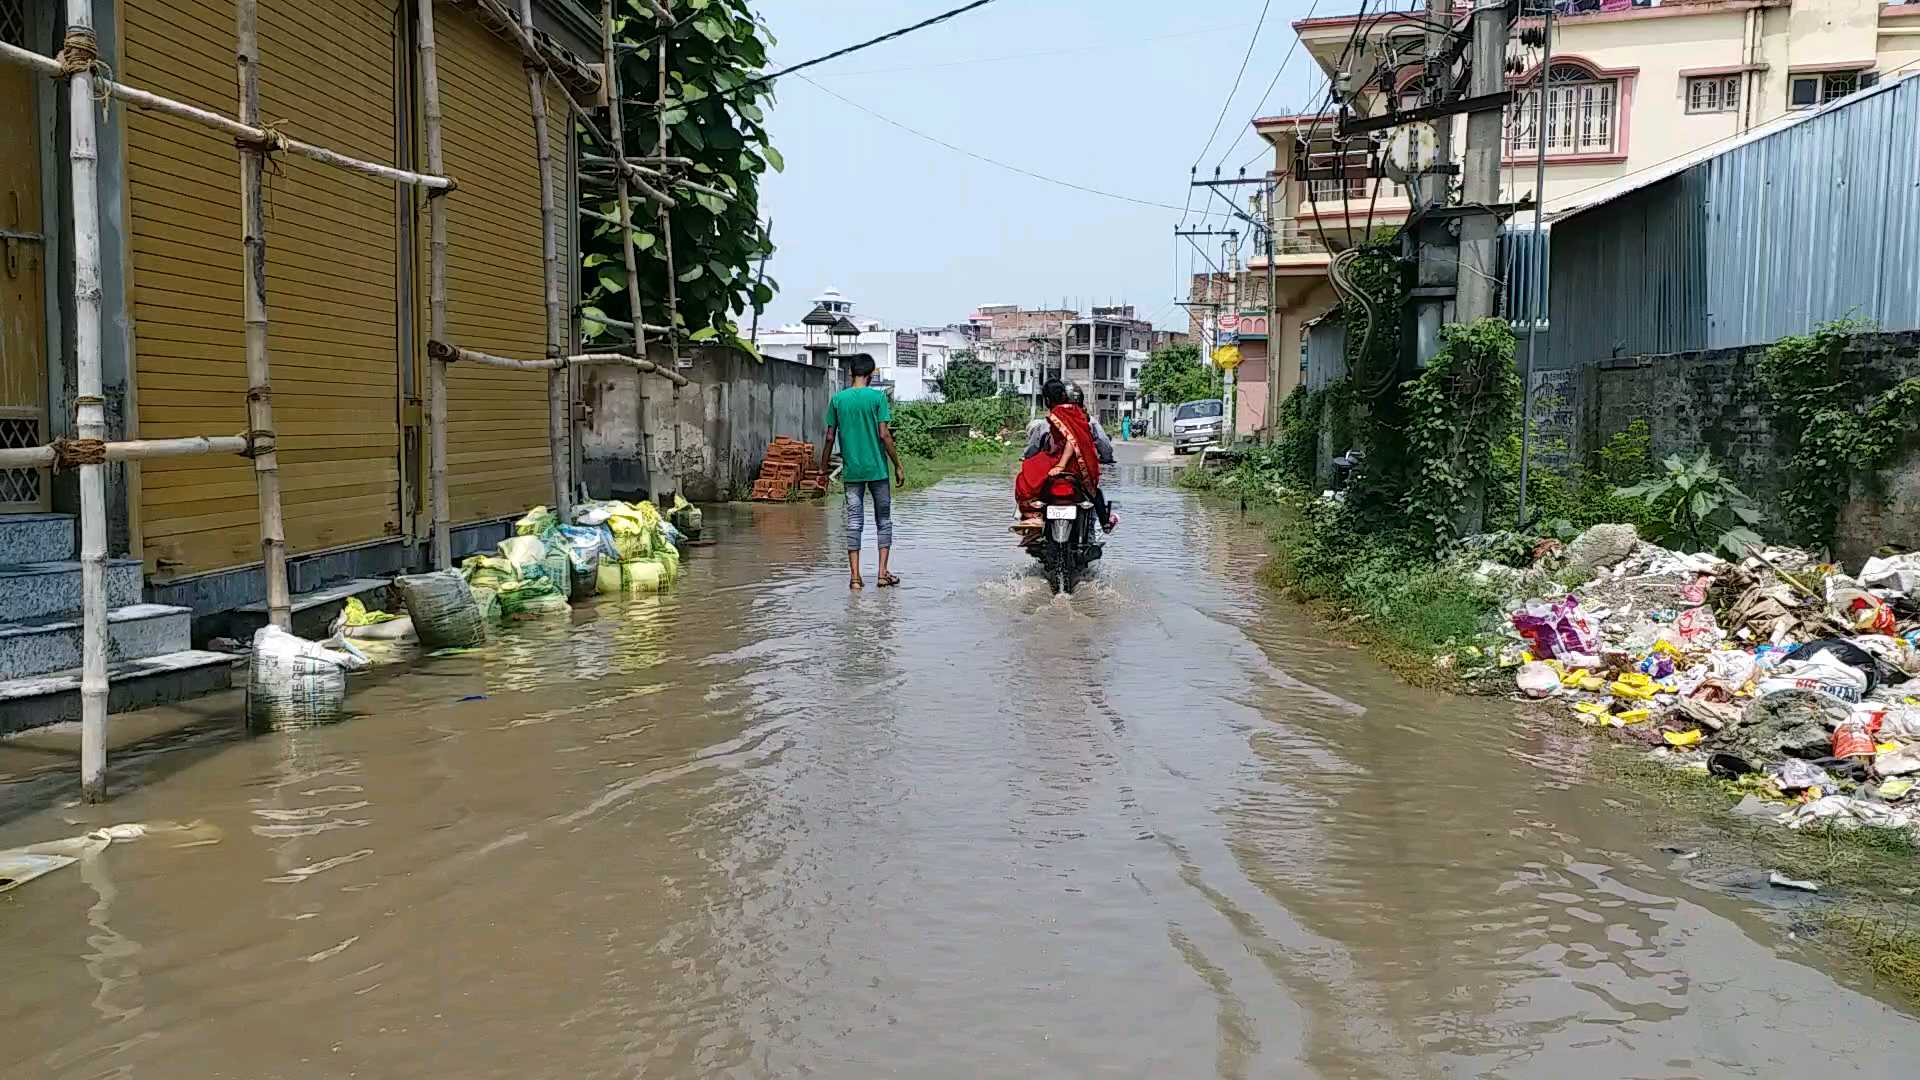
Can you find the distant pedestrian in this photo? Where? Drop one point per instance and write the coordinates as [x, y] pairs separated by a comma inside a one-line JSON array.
[[859, 417], [1126, 427]]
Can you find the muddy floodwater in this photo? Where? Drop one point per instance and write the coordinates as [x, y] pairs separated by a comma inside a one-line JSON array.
[[761, 827]]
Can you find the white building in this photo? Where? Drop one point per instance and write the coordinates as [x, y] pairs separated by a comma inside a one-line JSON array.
[[905, 360]]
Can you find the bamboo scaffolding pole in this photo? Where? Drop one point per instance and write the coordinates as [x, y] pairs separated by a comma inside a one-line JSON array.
[[449, 353], [239, 130], [42, 457], [617, 143], [622, 324], [666, 241], [253, 283], [436, 290], [90, 414], [559, 385]]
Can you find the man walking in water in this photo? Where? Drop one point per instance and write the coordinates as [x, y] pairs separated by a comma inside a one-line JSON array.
[[859, 417]]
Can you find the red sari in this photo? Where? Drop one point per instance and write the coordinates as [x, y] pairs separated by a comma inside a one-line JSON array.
[[1070, 424]]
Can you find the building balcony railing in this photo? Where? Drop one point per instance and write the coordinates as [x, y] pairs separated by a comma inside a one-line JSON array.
[[1349, 196]]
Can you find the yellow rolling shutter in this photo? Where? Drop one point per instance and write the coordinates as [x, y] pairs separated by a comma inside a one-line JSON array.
[[497, 462], [327, 76]]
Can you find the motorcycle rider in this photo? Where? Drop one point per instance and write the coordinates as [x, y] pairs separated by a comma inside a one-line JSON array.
[[1039, 430]]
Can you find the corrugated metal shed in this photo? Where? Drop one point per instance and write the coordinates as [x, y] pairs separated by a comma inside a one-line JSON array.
[[1811, 221]]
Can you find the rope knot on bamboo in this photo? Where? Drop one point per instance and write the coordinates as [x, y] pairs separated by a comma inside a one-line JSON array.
[[259, 443], [73, 453], [269, 141], [79, 51]]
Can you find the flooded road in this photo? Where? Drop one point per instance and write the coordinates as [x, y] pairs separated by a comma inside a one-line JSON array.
[[765, 828]]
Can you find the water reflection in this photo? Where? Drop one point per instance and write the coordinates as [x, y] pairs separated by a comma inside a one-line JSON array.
[[759, 826]]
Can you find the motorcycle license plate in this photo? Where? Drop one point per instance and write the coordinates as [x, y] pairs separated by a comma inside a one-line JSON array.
[[1062, 513]]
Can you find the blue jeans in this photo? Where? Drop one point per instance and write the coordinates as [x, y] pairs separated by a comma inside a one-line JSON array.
[[882, 492]]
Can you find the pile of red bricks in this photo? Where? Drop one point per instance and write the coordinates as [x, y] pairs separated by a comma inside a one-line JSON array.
[[788, 466]]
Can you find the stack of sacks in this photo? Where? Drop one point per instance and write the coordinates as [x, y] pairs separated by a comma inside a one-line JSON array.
[[637, 550]]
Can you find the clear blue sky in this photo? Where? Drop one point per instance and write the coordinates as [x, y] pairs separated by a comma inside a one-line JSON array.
[[918, 234]]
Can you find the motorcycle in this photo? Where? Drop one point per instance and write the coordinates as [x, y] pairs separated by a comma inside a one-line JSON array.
[[1068, 539]]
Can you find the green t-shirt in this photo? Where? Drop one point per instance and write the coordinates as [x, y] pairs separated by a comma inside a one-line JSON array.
[[856, 413]]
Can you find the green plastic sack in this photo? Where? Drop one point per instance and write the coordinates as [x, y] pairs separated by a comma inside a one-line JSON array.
[[489, 572], [356, 614], [549, 604], [669, 559], [538, 522], [522, 595]]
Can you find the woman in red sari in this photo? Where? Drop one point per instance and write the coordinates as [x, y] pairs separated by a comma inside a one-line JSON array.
[[1070, 448]]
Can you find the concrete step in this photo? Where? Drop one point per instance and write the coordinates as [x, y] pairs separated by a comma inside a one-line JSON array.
[[32, 538], [39, 700], [39, 590], [38, 646], [314, 612]]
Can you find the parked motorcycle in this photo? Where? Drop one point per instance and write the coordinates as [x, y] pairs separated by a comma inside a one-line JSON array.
[[1069, 539]]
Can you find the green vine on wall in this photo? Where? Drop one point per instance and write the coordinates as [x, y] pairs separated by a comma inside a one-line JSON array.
[[1465, 401], [1840, 421]]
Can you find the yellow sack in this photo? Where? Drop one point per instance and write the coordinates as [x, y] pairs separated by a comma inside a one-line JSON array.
[[1681, 738], [644, 575], [1633, 686]]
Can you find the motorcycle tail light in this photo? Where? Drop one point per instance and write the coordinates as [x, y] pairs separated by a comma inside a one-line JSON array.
[[1061, 488]]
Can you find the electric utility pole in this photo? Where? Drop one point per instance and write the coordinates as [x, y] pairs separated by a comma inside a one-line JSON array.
[[1480, 227]]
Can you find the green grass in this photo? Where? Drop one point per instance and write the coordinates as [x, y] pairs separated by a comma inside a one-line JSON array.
[[1865, 910], [959, 458]]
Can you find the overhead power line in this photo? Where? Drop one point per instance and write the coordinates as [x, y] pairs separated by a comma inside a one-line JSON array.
[[1129, 43], [1227, 104], [936, 140], [869, 43], [1275, 81]]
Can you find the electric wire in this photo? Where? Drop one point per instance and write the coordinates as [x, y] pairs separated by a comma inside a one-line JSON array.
[[936, 140], [1268, 92], [1102, 46], [760, 80], [1228, 104]]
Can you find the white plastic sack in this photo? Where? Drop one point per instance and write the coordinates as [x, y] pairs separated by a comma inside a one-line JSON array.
[[1846, 811], [1900, 573], [444, 611], [1537, 679], [400, 629], [292, 681]]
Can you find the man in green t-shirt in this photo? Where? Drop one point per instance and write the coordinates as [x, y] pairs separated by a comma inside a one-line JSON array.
[[859, 416]]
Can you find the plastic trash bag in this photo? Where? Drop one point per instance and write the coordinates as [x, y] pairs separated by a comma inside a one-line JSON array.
[[1898, 573], [1794, 774], [1553, 629], [360, 624], [445, 614], [295, 682], [1538, 679]]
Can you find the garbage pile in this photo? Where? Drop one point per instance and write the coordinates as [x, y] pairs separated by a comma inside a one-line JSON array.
[[1793, 679]]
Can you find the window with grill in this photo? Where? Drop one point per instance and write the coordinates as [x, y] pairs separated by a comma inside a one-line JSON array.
[[1713, 94], [1581, 115], [1815, 89], [13, 22]]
